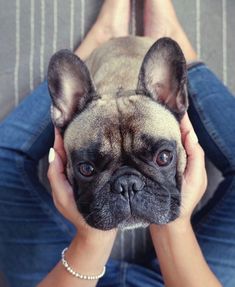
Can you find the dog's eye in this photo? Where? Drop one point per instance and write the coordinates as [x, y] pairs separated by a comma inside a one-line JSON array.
[[86, 169], [164, 158]]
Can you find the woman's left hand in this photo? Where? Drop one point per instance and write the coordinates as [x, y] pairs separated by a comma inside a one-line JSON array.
[[63, 196], [62, 191]]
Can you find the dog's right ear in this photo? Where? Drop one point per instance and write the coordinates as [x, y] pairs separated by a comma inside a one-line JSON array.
[[163, 76], [70, 86]]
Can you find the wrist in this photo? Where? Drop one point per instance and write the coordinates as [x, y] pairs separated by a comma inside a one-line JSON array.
[[89, 255], [178, 226], [95, 239]]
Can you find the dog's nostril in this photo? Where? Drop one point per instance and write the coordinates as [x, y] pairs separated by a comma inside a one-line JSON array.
[[137, 185], [118, 187], [121, 188], [128, 183]]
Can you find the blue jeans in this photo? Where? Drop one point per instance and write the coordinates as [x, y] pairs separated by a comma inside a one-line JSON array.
[[33, 233]]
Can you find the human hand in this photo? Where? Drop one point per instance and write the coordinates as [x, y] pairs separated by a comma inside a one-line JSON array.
[[175, 243], [63, 196], [194, 180]]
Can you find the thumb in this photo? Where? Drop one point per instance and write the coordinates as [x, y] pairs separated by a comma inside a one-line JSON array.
[[56, 174], [195, 157]]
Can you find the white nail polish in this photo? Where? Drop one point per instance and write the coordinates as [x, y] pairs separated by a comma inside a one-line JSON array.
[[51, 156]]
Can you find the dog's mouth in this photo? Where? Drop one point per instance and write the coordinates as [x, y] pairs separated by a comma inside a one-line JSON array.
[[129, 201], [133, 222], [138, 211]]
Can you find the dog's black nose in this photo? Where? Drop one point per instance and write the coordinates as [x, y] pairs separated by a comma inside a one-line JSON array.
[[128, 184]]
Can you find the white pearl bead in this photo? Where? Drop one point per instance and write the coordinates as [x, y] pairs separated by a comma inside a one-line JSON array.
[[76, 274]]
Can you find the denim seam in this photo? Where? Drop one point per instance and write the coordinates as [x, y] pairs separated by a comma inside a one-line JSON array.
[[217, 205], [43, 204], [200, 66], [123, 268], [26, 146], [213, 135], [20, 164], [194, 65]]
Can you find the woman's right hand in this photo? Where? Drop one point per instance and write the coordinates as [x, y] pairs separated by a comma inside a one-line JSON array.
[[181, 260], [194, 180]]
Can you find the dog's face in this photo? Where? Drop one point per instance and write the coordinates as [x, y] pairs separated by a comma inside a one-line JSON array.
[[125, 157]]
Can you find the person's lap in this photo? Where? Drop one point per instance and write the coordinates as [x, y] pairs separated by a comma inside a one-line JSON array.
[[33, 233], [212, 114]]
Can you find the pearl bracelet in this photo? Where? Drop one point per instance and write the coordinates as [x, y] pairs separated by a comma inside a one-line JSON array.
[[76, 274]]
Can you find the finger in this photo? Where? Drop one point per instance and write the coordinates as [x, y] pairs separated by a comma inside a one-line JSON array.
[[185, 127], [58, 181], [62, 191], [59, 146], [195, 168]]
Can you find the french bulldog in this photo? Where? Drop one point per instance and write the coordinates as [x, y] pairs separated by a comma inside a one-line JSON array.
[[119, 114]]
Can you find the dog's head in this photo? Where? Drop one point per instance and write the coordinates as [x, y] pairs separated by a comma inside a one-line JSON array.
[[125, 157]]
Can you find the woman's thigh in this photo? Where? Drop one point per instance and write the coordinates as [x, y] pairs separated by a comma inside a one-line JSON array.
[[30, 239], [216, 234], [121, 274], [32, 232], [212, 112]]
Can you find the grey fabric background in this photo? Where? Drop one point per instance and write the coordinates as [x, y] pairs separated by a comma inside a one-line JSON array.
[[32, 30]]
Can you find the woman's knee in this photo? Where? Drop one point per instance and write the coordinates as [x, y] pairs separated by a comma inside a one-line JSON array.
[[211, 111]]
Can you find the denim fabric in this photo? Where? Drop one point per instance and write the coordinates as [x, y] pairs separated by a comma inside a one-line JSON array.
[[33, 233], [212, 112]]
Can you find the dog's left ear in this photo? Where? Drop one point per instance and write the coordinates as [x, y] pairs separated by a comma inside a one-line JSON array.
[[163, 75]]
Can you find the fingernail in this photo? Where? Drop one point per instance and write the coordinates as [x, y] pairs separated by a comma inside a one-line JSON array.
[[51, 156], [193, 137]]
